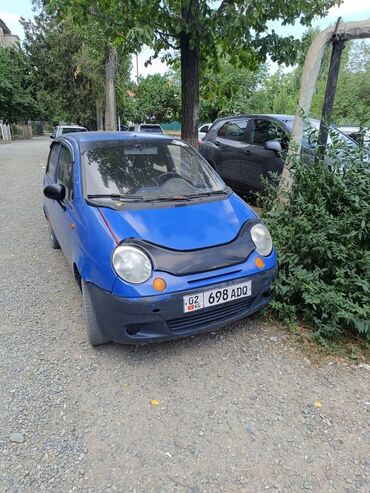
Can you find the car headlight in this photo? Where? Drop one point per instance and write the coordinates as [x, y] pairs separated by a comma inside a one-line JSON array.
[[262, 239], [131, 264]]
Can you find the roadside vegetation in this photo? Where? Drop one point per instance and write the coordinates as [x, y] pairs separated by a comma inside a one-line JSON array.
[[322, 235]]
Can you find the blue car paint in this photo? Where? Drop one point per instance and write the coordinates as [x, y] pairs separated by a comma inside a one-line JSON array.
[[97, 230], [189, 227]]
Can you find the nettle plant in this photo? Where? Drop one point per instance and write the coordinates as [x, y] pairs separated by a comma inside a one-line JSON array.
[[322, 238]]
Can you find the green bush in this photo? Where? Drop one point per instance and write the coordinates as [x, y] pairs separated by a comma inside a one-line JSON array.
[[322, 239]]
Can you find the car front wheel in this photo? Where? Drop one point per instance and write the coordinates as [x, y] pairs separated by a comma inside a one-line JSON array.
[[94, 333]]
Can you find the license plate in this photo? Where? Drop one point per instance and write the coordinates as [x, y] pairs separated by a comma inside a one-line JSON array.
[[216, 296]]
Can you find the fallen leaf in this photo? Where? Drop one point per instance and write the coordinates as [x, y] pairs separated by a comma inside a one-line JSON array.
[[317, 404], [154, 402]]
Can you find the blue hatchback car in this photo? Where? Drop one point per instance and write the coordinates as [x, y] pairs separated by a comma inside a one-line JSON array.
[[159, 245]]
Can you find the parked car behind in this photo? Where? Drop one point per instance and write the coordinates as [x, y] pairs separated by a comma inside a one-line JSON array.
[[246, 149], [360, 134], [159, 245], [202, 132], [148, 128], [66, 129]]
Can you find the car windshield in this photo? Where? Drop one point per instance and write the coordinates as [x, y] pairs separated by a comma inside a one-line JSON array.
[[149, 170], [70, 130]]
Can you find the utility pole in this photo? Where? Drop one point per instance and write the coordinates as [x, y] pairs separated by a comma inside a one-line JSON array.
[[110, 92], [331, 87]]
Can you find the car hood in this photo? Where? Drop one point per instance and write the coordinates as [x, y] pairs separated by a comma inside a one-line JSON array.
[[187, 227]]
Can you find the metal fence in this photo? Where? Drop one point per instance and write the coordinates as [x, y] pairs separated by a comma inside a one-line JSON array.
[[22, 131], [5, 132]]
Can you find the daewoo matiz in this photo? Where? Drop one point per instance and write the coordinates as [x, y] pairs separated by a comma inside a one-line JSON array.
[[160, 246]]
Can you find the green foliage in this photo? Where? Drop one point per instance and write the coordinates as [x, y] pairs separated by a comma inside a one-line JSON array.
[[157, 99], [16, 100], [235, 29], [352, 99], [228, 90], [68, 71], [322, 237]]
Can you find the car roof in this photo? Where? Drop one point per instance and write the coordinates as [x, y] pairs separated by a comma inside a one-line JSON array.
[[88, 137], [259, 115], [71, 126]]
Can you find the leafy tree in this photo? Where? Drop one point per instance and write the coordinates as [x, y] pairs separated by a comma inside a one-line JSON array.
[[68, 71], [16, 100], [200, 29], [228, 90], [157, 99]]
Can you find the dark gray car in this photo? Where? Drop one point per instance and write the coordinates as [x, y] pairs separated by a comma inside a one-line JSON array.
[[246, 149]]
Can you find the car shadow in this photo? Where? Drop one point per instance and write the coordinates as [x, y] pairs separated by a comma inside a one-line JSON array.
[[174, 348]]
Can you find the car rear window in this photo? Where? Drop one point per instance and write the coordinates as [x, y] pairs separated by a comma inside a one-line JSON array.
[[151, 129], [71, 130]]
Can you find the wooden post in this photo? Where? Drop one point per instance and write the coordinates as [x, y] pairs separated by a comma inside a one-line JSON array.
[[331, 87]]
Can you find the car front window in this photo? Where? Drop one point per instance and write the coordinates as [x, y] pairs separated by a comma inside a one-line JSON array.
[[148, 170]]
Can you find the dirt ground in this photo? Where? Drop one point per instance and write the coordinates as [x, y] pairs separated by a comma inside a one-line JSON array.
[[240, 410]]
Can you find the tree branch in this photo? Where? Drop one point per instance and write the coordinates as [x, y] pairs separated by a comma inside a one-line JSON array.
[[163, 38]]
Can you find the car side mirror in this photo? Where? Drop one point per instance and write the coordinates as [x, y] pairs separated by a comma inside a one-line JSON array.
[[273, 145], [55, 192], [52, 136]]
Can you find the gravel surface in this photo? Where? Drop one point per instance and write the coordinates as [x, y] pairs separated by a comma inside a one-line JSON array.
[[242, 410]]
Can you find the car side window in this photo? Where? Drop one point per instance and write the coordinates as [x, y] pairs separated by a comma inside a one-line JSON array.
[[52, 160], [233, 130], [65, 171], [262, 131]]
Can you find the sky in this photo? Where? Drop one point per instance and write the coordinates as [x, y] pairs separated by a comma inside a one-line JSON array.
[[350, 10]]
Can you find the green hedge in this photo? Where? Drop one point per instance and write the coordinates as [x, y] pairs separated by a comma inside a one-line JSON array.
[[323, 244]]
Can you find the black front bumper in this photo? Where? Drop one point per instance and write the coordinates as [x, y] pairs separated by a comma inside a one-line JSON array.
[[146, 319]]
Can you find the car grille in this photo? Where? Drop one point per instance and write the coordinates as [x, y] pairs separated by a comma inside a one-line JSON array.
[[218, 313]]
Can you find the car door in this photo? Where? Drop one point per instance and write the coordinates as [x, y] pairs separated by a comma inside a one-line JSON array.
[[260, 162], [230, 144], [64, 212]]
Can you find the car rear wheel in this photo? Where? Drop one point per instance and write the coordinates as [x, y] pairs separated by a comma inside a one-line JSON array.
[[52, 239], [94, 333]]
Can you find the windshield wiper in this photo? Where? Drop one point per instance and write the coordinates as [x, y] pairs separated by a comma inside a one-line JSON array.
[[206, 194], [186, 197], [139, 198], [116, 196]]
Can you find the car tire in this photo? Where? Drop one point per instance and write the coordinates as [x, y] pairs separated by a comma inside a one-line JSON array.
[[53, 239], [94, 333]]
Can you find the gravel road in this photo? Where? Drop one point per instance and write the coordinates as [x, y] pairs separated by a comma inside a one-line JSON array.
[[236, 410]]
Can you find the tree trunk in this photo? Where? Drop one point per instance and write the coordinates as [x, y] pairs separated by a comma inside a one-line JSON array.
[[110, 93], [99, 117], [189, 76]]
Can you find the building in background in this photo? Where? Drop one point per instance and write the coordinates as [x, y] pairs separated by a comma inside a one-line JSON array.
[[6, 37]]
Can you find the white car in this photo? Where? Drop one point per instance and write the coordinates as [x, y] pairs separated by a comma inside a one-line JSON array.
[[148, 128], [66, 129], [359, 134], [202, 131]]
